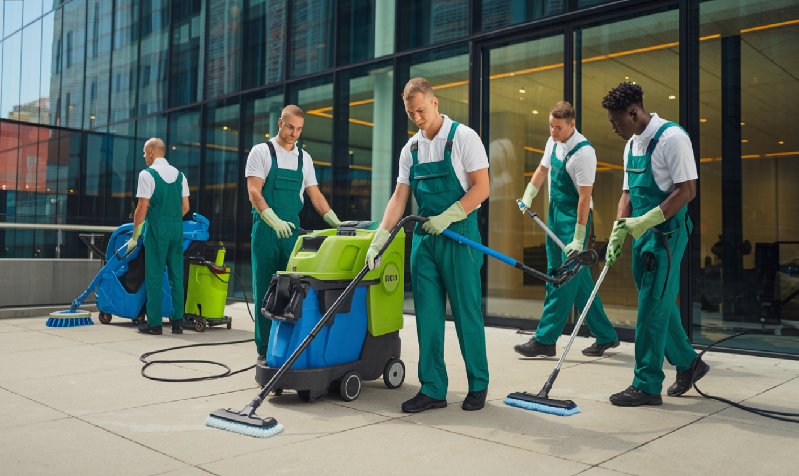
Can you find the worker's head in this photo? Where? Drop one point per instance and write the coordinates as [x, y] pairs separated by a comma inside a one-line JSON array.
[[561, 121], [625, 105], [420, 103], [154, 148], [290, 124]]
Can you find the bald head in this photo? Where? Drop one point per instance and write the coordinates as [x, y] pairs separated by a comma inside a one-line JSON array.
[[153, 149]]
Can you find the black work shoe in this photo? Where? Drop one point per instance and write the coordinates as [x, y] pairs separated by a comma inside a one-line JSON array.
[[422, 402], [146, 329], [475, 400], [633, 397], [177, 327], [533, 348], [596, 350], [686, 378]]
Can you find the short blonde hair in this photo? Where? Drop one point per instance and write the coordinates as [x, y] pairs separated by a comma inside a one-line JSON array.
[[291, 110], [417, 85], [563, 110]]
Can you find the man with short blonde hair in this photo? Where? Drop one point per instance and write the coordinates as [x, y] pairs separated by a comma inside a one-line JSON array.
[[418, 85], [563, 110]]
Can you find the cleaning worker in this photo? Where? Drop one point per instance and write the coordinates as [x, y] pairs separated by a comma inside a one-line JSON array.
[[570, 163], [163, 194], [445, 166], [659, 181], [278, 173]]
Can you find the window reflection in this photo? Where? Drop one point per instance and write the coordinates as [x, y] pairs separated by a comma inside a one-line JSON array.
[[311, 36], [224, 47], [154, 56], [66, 82], [29, 100], [98, 63], [188, 39], [9, 99], [124, 72], [264, 57], [218, 193]]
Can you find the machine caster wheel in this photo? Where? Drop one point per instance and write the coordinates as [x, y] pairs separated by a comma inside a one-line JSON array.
[[277, 392], [199, 325], [394, 373], [350, 387], [139, 320], [229, 325], [310, 396], [104, 318]]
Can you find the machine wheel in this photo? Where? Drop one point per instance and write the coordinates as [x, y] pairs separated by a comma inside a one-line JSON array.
[[310, 396], [394, 373], [229, 325], [350, 387], [142, 317], [199, 325], [104, 318]]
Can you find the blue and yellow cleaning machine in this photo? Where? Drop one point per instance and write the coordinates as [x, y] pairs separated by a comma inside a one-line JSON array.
[[361, 341]]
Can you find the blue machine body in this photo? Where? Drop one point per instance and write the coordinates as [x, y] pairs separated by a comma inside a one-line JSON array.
[[335, 344]]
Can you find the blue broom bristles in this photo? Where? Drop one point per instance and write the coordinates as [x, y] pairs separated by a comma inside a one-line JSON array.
[[69, 321], [241, 428], [538, 407]]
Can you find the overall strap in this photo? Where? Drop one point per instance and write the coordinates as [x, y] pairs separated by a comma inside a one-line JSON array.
[[299, 159], [273, 153], [450, 137], [577, 147], [415, 152]]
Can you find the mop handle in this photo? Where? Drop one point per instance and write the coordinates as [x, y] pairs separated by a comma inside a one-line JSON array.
[[582, 316], [479, 247], [549, 232]]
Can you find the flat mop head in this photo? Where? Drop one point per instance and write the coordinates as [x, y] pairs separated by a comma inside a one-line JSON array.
[[529, 401], [235, 422], [69, 319]]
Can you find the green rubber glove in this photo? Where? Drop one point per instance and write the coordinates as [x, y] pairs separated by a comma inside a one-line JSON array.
[[282, 228], [134, 240], [438, 223], [577, 243], [378, 240], [638, 226], [331, 219], [529, 194], [616, 241]]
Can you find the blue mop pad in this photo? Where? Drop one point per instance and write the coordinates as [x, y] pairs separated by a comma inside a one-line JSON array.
[[243, 429], [541, 403], [69, 319], [541, 408]]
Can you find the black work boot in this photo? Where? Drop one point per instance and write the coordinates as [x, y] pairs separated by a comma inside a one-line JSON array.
[[596, 350], [177, 327], [533, 348], [686, 378], [633, 397], [422, 402], [475, 400], [146, 329]]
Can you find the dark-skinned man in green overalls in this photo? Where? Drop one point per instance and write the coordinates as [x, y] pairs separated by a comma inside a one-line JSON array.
[[163, 194], [278, 174], [570, 163], [659, 181], [445, 166]]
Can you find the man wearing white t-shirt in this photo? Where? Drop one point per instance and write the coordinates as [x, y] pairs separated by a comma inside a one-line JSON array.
[[569, 162], [659, 181], [278, 174], [163, 200], [446, 167]]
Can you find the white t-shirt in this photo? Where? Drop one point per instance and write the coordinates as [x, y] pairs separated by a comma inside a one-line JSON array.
[[581, 167], [673, 158], [259, 163], [468, 153], [168, 173]]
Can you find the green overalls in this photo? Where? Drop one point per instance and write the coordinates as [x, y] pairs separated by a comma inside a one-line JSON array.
[[563, 200], [441, 267], [163, 246], [656, 269], [270, 254]]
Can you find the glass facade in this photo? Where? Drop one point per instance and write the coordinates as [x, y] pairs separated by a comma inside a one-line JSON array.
[[85, 83]]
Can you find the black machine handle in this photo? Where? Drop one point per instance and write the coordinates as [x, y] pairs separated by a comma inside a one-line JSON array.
[[250, 409]]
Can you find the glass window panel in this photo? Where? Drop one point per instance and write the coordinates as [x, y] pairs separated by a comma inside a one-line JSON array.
[[48, 175], [526, 80], [311, 37], [365, 30], [96, 153], [427, 22], [31, 10], [183, 147], [315, 98], [29, 102], [501, 13], [748, 259], [153, 73], [68, 102], [9, 101], [224, 47], [122, 180], [154, 126], [124, 68], [644, 50], [12, 17], [27, 168], [98, 63], [218, 191], [264, 42], [188, 39], [49, 78], [9, 141], [70, 179]]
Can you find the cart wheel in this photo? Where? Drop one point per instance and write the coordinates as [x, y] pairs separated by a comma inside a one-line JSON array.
[[278, 391], [138, 320], [142, 317], [310, 396], [104, 318], [394, 373], [350, 386], [229, 325], [199, 325]]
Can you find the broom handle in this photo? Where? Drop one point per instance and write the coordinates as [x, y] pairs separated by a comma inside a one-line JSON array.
[[582, 316], [551, 234]]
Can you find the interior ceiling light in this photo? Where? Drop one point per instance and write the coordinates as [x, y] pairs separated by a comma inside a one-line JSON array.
[[744, 140], [672, 97], [173, 147], [522, 90], [780, 142], [702, 120], [743, 123], [266, 135], [535, 112], [626, 77], [224, 128]]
